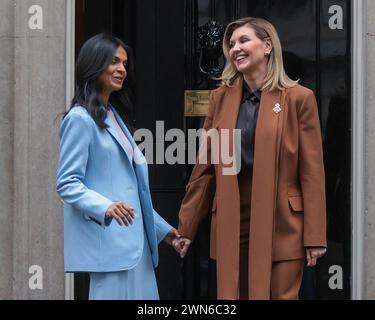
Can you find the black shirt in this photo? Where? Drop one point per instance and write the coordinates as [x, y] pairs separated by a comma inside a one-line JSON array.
[[246, 122]]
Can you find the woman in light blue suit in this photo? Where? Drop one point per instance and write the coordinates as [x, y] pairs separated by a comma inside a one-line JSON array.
[[111, 230]]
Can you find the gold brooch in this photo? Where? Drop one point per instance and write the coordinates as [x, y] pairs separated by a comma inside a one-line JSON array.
[[277, 108]]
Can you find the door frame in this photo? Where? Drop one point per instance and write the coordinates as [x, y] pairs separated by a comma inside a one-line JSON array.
[[69, 91], [358, 147]]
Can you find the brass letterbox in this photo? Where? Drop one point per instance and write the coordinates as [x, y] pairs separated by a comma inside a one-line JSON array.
[[196, 103]]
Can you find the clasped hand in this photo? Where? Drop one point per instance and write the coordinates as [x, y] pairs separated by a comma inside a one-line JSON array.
[[179, 243]]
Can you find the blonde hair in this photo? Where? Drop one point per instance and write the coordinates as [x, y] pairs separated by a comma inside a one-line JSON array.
[[276, 77]]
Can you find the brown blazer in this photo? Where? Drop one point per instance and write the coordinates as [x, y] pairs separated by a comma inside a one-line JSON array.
[[288, 209]]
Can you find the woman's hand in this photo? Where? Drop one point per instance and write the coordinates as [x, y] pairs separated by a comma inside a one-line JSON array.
[[121, 212], [312, 254], [180, 244], [172, 236]]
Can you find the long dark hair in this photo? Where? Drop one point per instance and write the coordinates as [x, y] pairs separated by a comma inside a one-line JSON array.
[[94, 58]]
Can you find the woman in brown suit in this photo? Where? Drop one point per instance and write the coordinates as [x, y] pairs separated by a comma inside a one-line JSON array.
[[270, 216]]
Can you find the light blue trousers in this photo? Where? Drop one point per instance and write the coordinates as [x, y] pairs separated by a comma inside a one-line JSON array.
[[138, 283]]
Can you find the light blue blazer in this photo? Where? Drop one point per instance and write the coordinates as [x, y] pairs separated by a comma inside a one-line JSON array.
[[94, 171]]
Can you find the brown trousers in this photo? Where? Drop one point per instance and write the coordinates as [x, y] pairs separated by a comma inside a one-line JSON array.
[[286, 276]]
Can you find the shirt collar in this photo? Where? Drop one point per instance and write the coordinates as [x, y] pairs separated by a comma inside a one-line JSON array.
[[247, 93]]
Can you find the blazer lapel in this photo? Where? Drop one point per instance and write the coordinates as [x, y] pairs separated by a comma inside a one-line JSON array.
[[231, 105], [140, 164], [124, 128], [227, 222], [111, 128], [231, 108], [272, 112]]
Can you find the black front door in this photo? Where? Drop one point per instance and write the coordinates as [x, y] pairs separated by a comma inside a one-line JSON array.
[[171, 40]]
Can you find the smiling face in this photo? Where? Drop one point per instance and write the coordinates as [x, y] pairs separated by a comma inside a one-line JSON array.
[[113, 77], [247, 52]]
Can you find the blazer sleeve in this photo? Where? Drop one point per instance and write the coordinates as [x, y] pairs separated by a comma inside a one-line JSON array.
[[201, 187], [311, 172], [75, 137], [162, 227]]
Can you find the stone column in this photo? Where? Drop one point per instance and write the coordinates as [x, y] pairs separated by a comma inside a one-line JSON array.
[[39, 96], [6, 146]]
